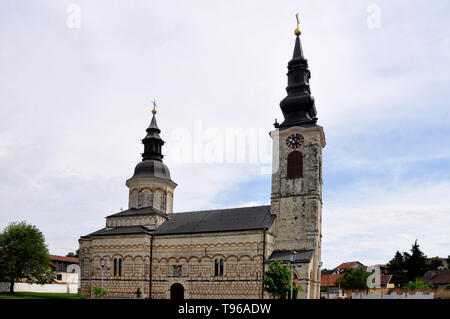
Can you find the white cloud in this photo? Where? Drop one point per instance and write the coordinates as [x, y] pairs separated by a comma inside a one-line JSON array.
[[372, 221]]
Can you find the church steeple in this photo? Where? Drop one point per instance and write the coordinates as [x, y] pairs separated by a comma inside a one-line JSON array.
[[298, 106], [296, 197], [151, 185], [152, 142], [151, 164]]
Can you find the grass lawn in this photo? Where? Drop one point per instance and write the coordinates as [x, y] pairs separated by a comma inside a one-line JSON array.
[[38, 295]]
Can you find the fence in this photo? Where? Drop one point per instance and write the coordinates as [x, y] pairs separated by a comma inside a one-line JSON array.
[[384, 293]]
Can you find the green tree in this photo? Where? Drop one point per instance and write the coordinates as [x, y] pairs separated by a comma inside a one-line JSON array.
[[434, 264], [277, 280], [397, 268], [353, 279], [416, 263], [24, 255], [417, 284], [448, 262], [73, 254]]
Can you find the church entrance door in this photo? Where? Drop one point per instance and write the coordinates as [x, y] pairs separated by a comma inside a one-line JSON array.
[[177, 291]]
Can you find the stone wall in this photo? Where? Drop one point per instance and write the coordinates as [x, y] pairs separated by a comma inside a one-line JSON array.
[[297, 202], [387, 293], [242, 255], [150, 221], [241, 252], [134, 251]]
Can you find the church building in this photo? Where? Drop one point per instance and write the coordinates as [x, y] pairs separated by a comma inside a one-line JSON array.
[[148, 251]]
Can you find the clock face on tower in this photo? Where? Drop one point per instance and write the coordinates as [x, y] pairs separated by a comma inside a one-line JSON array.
[[295, 141]]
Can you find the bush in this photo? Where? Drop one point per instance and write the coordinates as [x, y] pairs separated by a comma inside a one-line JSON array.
[[100, 292], [417, 284], [447, 287]]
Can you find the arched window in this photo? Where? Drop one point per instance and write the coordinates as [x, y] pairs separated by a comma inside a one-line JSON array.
[[117, 267], [145, 199], [295, 165], [163, 203], [218, 267], [134, 199], [157, 200]]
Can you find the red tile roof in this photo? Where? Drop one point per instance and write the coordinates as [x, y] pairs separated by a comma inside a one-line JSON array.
[[349, 264], [66, 259], [384, 279], [438, 258], [437, 277], [328, 280]]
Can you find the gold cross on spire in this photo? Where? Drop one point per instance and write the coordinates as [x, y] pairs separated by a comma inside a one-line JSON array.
[[297, 31], [154, 107]]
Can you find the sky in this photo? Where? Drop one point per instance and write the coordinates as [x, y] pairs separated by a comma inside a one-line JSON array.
[[78, 79]]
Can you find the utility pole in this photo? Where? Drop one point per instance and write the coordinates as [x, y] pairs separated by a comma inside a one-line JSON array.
[[102, 264], [292, 272]]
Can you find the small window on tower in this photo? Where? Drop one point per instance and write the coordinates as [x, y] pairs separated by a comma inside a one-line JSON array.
[[295, 165]]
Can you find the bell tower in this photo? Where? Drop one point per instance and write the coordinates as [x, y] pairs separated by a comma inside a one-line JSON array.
[[151, 185], [297, 175]]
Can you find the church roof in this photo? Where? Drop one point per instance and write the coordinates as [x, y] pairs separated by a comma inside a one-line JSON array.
[[232, 219], [152, 168], [139, 212], [286, 256], [218, 220], [123, 230]]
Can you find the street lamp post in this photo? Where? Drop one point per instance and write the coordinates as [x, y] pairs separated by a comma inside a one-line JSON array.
[[102, 263], [292, 273]]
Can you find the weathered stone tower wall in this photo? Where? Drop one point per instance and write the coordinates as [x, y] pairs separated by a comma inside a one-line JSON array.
[[297, 202]]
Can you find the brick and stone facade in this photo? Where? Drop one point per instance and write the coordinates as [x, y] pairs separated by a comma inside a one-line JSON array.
[[243, 254]]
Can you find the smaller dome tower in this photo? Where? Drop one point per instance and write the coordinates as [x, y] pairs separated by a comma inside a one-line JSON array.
[[151, 185]]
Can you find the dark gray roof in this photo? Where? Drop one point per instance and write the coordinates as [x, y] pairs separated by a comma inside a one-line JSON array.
[[123, 230], [152, 168], [285, 256], [232, 219], [139, 212]]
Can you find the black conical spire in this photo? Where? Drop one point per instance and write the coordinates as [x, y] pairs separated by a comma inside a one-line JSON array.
[[298, 51], [152, 142], [298, 106]]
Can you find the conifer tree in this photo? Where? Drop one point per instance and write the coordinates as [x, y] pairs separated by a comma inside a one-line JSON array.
[[416, 263], [397, 268]]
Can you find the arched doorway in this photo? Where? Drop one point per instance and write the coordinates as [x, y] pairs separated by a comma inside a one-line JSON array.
[[177, 291]]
